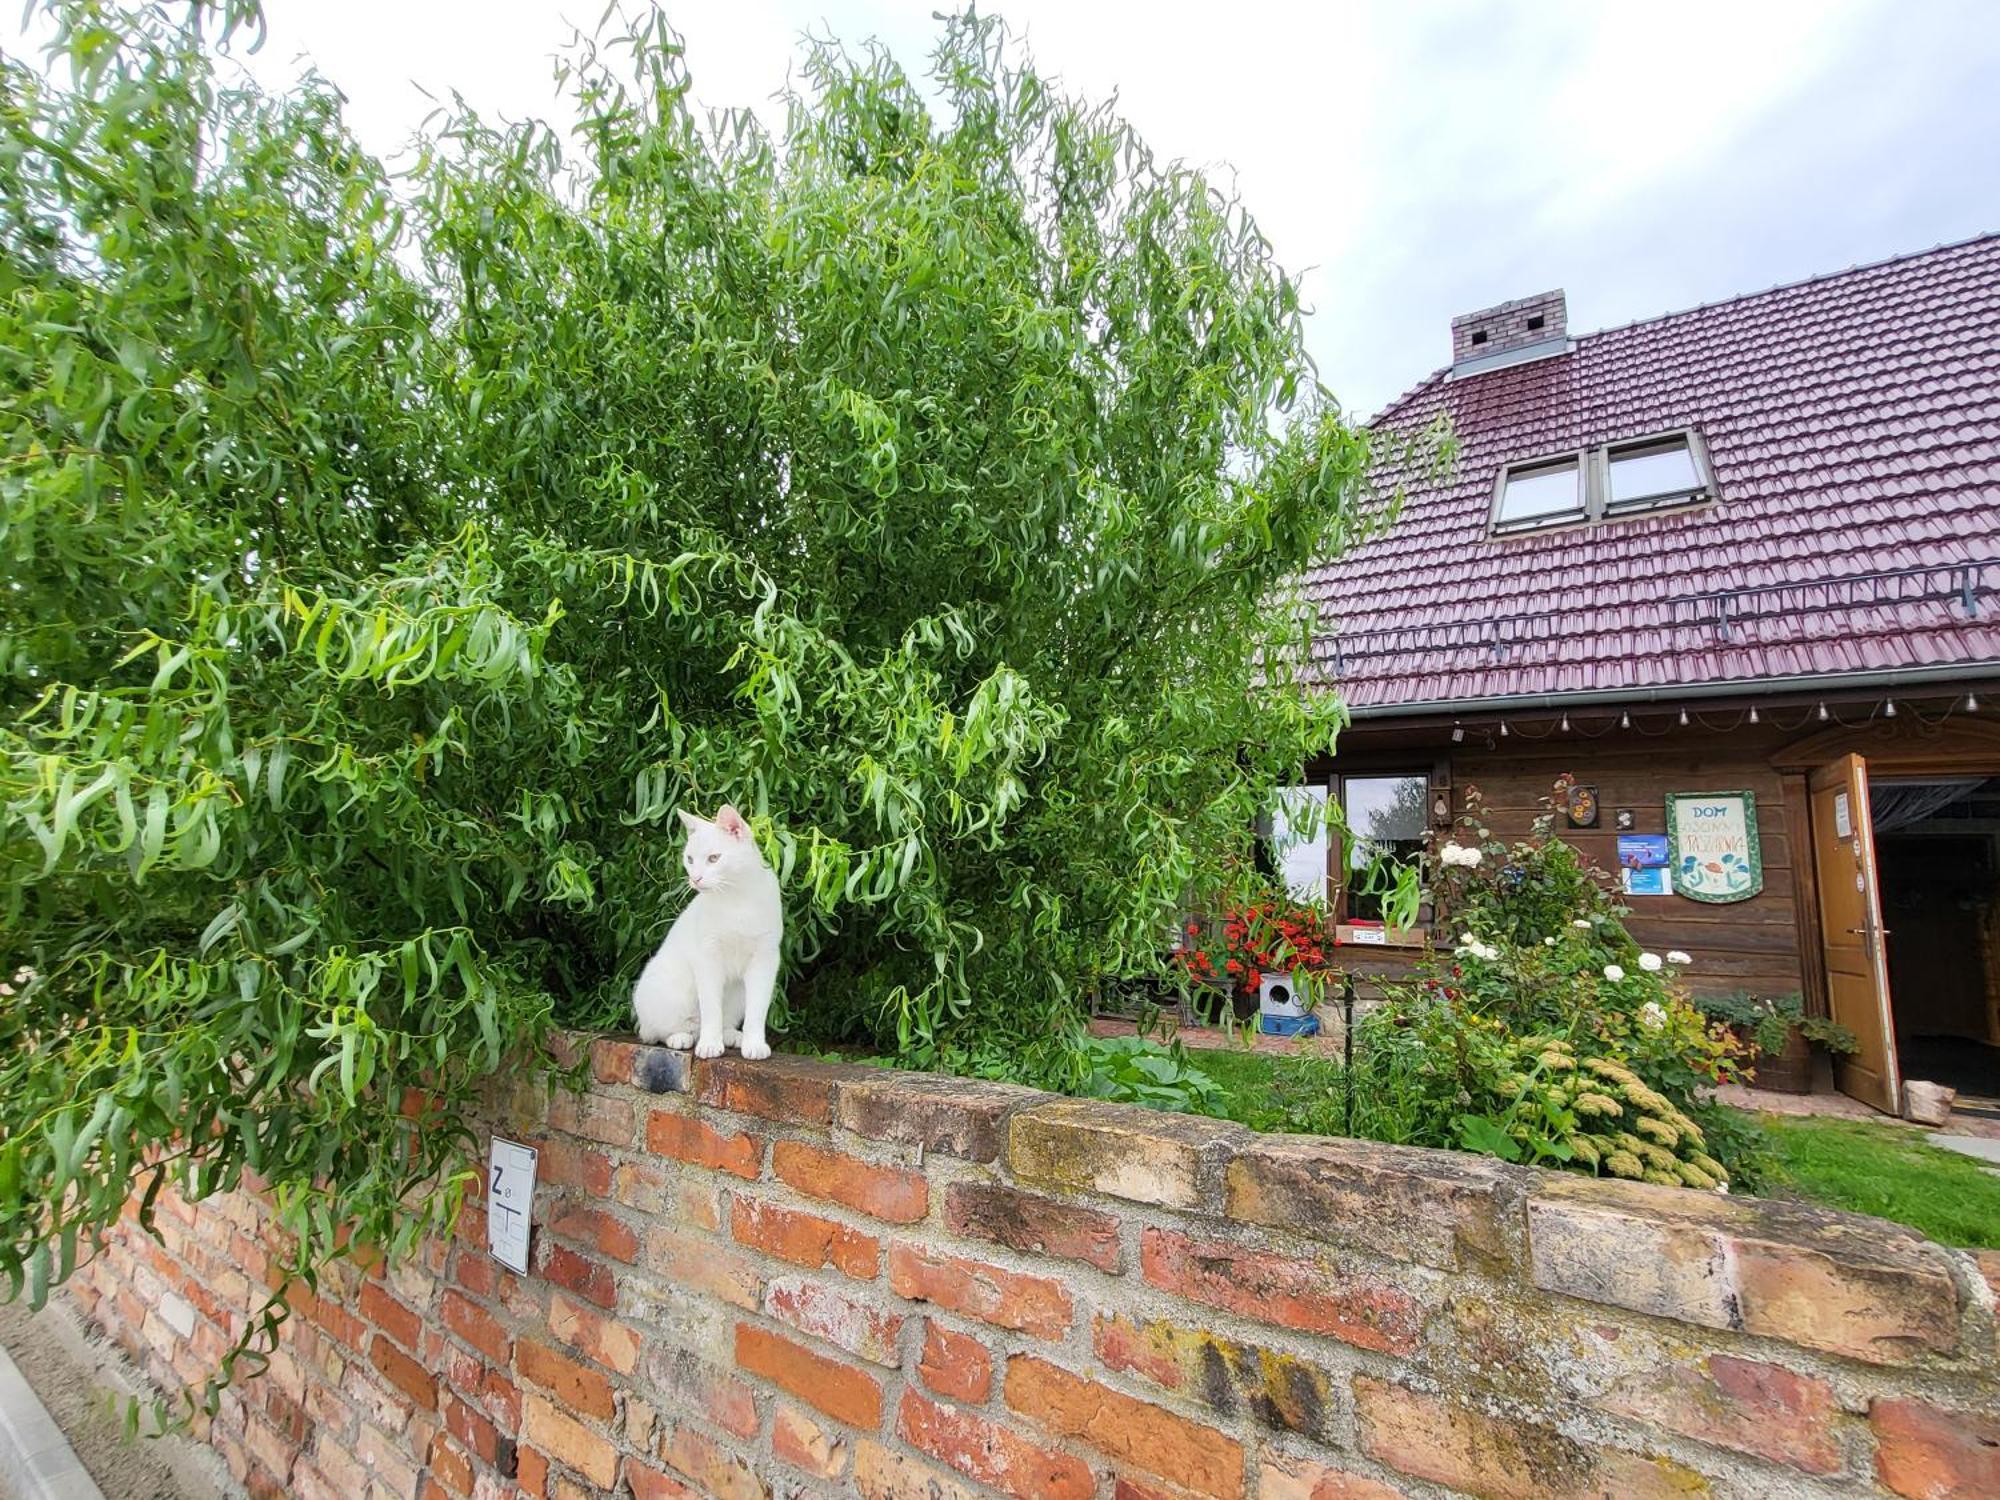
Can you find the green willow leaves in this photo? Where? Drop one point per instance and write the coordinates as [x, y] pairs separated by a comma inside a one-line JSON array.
[[387, 558]]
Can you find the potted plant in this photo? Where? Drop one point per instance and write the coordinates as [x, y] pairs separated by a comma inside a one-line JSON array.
[[1236, 949], [1790, 1045]]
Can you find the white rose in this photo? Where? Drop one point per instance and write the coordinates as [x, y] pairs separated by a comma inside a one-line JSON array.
[[1548, 942], [1467, 938], [1579, 922], [1487, 951], [1613, 973], [1651, 1016], [1675, 956], [1650, 962], [1470, 858]]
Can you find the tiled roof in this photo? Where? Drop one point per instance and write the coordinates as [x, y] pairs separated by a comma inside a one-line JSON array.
[[1853, 424]]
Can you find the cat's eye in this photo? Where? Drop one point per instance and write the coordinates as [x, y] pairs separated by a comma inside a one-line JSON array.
[[713, 858]]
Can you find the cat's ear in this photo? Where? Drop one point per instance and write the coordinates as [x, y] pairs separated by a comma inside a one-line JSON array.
[[730, 821], [688, 820]]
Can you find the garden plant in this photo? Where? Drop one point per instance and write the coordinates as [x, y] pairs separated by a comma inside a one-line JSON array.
[[389, 555]]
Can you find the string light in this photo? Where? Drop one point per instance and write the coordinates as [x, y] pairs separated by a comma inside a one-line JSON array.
[[1753, 713], [1565, 724], [1823, 714], [1503, 729], [1684, 718], [1971, 703], [1625, 721], [1889, 709]]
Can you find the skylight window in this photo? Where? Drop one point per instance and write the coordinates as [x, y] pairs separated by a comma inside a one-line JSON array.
[[1541, 494], [1664, 471]]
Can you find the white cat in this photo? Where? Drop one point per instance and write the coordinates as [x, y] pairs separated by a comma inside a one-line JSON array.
[[711, 982]]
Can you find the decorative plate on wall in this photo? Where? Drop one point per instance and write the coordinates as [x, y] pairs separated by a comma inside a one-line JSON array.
[[1581, 806]]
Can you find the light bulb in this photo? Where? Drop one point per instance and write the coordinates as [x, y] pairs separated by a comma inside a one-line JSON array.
[[1565, 724], [1753, 713], [1624, 721], [1684, 718], [1971, 703], [1503, 729], [1823, 714], [1889, 709]]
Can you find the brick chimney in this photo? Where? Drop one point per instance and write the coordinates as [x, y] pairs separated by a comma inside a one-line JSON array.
[[1526, 328]]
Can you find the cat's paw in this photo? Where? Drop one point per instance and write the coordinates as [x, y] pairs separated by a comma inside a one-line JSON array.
[[756, 1051], [731, 1037], [680, 1041], [708, 1046]]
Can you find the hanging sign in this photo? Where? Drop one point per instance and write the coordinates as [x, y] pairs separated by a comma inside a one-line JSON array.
[[510, 1202], [1712, 845]]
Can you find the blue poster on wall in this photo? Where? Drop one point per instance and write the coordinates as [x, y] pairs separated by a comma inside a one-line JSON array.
[[1642, 864]]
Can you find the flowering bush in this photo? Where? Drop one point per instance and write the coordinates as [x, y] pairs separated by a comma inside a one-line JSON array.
[[1246, 942], [1546, 1033]]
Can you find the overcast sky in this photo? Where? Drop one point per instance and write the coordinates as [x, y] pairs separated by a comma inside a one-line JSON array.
[[1414, 160]]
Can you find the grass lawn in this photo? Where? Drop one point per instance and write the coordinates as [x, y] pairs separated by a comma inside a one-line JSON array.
[[1889, 1171], [1886, 1170]]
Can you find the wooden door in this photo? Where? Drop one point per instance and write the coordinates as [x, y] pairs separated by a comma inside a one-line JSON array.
[[1851, 931]]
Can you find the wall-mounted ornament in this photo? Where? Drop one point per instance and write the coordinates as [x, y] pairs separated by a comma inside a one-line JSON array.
[[1713, 848], [1580, 806], [1624, 820]]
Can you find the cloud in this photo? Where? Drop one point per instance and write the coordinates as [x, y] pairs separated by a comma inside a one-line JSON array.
[[1421, 160]]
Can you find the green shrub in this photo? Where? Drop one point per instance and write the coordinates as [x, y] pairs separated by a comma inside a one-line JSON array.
[[389, 558]]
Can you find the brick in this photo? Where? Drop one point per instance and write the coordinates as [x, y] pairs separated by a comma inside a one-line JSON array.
[[471, 1428], [569, 1441], [1130, 1431], [403, 1372], [690, 1140], [844, 1392], [1925, 1452], [1006, 1299], [1280, 1390], [589, 1279], [944, 1116], [450, 1466], [599, 1230], [641, 1185], [1742, 1404], [1143, 1155], [649, 1483], [387, 1461], [1988, 1262], [532, 1473], [391, 1316], [805, 1239], [883, 1474], [1032, 1224], [794, 1090], [699, 1264], [565, 1163], [1285, 1478], [1827, 1281], [606, 1340], [476, 1326], [614, 1062], [955, 1364], [990, 1453], [717, 1473], [828, 1313], [801, 1442], [1500, 1458], [892, 1193], [1277, 1289], [683, 1379], [1439, 1208], [573, 1385], [609, 1122]]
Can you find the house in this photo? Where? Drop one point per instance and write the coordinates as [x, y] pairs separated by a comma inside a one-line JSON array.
[[1737, 570]]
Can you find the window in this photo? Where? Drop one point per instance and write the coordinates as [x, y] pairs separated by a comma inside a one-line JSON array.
[[1386, 817], [1386, 814], [1665, 471], [1541, 494]]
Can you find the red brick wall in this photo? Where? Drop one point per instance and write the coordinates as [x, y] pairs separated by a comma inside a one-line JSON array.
[[787, 1279]]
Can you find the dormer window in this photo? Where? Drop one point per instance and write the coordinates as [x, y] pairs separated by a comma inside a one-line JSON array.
[[1638, 476]]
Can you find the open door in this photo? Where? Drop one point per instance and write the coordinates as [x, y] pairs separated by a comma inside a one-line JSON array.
[[1851, 931]]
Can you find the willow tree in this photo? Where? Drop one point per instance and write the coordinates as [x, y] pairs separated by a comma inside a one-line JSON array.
[[387, 558]]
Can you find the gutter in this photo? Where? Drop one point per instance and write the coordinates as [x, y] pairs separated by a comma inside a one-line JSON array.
[[1912, 677]]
